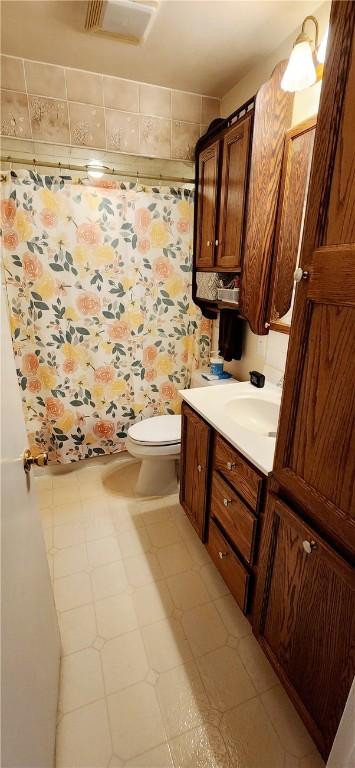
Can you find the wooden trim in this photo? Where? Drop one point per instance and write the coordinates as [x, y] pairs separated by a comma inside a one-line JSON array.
[[302, 127], [280, 327]]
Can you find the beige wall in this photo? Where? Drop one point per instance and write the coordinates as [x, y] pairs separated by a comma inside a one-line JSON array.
[[268, 353], [248, 86]]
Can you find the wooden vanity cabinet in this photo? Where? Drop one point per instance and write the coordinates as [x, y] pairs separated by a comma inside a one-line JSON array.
[[221, 494], [194, 467], [305, 619]]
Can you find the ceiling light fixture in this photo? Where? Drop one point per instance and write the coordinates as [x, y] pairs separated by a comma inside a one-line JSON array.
[[301, 69], [94, 169]]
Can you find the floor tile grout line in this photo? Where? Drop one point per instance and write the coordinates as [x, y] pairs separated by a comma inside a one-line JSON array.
[[197, 566]]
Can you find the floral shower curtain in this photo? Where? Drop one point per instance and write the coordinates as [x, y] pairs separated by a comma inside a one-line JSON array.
[[98, 277]]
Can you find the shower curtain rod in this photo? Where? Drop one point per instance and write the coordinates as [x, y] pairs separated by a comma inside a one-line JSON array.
[[105, 169]]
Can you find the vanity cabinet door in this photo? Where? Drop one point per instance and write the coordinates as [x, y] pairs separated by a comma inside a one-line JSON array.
[[195, 442], [304, 618], [207, 206], [235, 154]]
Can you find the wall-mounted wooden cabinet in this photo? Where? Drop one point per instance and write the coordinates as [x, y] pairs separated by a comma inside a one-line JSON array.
[[223, 172], [238, 169]]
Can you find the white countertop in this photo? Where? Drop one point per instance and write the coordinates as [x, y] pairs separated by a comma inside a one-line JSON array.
[[210, 403]]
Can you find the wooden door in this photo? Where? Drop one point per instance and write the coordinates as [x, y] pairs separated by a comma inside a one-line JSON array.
[[195, 441], [305, 619], [296, 168], [207, 206], [315, 451], [234, 176]]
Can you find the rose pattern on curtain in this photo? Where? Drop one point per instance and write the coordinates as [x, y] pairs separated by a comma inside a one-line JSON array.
[[98, 279]]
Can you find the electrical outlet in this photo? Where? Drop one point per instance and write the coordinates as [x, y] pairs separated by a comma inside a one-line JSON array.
[[261, 345]]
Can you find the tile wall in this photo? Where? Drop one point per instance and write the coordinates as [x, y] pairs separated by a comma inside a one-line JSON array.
[[266, 354], [49, 103]]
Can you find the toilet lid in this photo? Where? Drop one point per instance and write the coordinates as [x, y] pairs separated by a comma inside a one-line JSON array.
[[158, 430]]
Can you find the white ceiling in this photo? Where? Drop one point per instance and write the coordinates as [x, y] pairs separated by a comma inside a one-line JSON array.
[[204, 46]]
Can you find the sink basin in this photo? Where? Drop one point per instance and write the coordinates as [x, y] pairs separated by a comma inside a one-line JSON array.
[[255, 414]]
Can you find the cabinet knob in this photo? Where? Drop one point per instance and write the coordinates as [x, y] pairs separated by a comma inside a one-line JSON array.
[[199, 468], [208, 243], [226, 502], [309, 546], [230, 465], [222, 555], [216, 242], [299, 275]]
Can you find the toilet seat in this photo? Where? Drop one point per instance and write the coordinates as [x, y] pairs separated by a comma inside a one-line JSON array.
[[157, 431]]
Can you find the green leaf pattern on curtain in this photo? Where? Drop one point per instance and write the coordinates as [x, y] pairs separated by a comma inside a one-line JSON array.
[[104, 330]]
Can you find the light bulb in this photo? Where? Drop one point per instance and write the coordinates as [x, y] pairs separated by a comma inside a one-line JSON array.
[[95, 174], [300, 72], [94, 171], [323, 48]]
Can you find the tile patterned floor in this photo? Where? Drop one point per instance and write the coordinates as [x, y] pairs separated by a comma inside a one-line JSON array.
[[159, 666]]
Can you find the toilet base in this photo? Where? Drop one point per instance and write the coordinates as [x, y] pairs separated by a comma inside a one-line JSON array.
[[157, 477]]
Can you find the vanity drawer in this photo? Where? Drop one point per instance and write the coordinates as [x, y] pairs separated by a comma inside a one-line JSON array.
[[235, 517], [229, 566], [237, 471]]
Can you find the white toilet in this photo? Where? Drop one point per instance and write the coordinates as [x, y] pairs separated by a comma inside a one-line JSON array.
[[157, 441]]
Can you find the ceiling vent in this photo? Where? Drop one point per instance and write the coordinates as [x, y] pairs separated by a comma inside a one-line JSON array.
[[127, 20]]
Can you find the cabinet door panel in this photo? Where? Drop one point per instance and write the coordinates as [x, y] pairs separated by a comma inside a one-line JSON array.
[[272, 118], [306, 619], [233, 192], [290, 215], [315, 449], [195, 441], [207, 206]]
